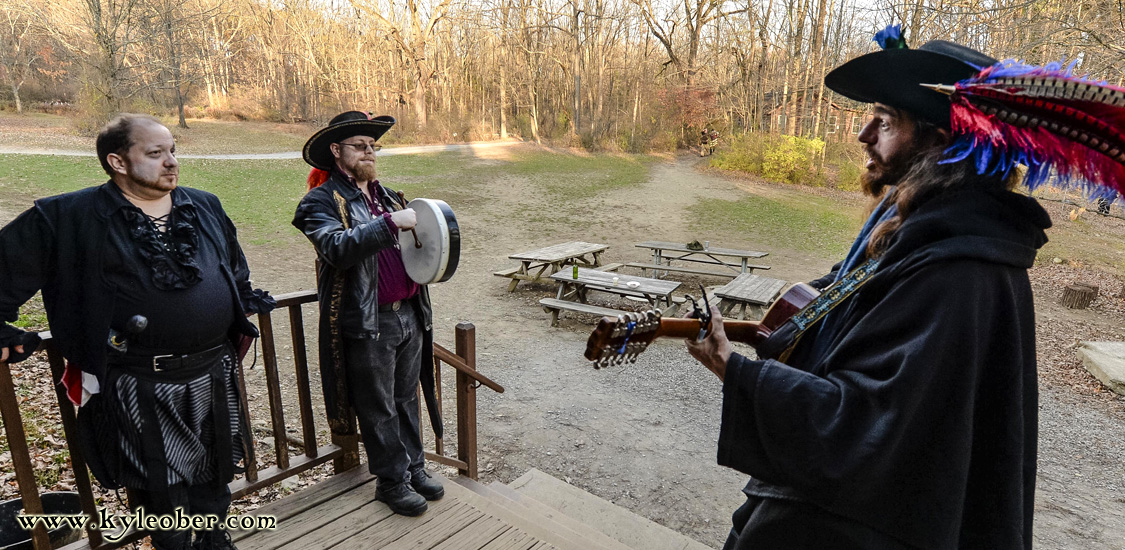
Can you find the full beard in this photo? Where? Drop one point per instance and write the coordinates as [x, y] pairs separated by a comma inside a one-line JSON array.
[[875, 181], [364, 172]]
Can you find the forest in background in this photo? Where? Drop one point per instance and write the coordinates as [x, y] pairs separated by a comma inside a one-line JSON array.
[[617, 75]]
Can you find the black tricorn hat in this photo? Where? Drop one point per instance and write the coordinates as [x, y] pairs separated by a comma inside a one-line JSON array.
[[343, 126], [894, 77]]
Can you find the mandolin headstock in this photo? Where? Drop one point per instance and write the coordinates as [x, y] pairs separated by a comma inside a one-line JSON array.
[[617, 340]]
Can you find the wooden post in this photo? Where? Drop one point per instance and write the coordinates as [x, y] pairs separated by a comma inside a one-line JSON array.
[[1078, 295], [466, 348], [251, 460], [273, 390], [21, 456], [77, 456], [301, 364], [439, 443]]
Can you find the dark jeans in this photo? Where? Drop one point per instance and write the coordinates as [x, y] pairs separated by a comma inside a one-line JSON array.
[[383, 386], [211, 498], [776, 524]]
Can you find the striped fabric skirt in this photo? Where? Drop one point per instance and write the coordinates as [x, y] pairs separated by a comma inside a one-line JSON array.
[[196, 436]]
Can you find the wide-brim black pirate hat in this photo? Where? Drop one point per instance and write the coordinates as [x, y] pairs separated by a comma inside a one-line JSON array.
[[343, 126], [894, 77]]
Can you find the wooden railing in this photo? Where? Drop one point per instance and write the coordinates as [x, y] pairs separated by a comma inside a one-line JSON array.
[[342, 451]]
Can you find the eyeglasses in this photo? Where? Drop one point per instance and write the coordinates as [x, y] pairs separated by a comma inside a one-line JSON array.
[[362, 147]]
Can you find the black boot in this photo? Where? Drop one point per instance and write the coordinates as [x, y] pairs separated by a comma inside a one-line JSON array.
[[426, 485], [214, 540], [400, 498]]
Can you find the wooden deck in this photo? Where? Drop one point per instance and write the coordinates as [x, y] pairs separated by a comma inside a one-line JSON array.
[[341, 513]]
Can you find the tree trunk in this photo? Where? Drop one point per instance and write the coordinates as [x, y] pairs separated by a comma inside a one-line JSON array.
[[576, 69], [503, 92], [180, 108], [418, 97], [1078, 295], [534, 115], [16, 96]]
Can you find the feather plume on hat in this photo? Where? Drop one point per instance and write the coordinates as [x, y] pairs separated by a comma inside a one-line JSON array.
[[1044, 118], [316, 178]]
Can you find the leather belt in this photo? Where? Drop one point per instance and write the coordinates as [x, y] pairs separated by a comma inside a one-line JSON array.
[[171, 362], [393, 306]]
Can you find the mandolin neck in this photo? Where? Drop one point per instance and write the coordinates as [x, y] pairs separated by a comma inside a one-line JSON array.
[[746, 332]]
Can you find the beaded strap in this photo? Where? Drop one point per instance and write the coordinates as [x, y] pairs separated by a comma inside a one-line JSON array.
[[828, 300]]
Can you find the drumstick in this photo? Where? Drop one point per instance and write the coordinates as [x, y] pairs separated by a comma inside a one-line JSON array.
[[417, 243]]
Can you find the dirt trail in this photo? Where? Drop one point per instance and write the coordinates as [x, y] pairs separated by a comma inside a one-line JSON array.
[[643, 435]]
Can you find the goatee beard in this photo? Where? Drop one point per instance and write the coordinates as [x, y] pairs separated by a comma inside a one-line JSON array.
[[365, 172]]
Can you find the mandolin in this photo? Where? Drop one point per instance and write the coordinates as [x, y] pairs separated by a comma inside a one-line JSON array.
[[621, 339]]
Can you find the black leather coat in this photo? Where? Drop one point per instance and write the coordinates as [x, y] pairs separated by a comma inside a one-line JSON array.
[[347, 286]]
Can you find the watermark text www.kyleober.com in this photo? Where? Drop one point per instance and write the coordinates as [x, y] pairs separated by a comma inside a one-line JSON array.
[[115, 526]]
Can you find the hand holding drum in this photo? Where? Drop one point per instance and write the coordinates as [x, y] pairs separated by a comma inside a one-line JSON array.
[[405, 218]]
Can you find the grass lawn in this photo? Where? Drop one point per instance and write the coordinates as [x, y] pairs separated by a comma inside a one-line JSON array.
[[793, 220], [257, 194]]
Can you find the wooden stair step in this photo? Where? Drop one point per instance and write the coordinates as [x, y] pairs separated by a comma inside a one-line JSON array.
[[521, 517], [614, 521], [556, 515]]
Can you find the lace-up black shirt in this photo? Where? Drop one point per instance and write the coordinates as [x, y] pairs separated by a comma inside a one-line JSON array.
[[172, 277]]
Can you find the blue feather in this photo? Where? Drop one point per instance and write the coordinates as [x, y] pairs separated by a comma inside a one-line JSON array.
[[890, 37]]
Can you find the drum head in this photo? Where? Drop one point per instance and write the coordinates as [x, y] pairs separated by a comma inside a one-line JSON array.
[[437, 229]]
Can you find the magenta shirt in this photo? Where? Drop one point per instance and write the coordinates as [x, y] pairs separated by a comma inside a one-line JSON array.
[[394, 283]]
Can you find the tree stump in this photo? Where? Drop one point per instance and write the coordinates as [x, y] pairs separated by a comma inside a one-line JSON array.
[[1078, 295]]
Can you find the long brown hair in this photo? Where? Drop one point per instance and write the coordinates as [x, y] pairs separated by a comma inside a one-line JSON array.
[[926, 180]]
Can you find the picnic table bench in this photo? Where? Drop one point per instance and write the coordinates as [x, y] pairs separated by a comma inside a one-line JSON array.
[[536, 264], [572, 293], [663, 253], [645, 268], [748, 291]]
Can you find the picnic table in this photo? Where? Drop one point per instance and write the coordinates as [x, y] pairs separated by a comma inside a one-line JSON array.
[[536, 264], [572, 293], [748, 291], [663, 253]]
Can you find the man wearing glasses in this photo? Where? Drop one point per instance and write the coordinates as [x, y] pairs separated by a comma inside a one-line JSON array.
[[375, 322]]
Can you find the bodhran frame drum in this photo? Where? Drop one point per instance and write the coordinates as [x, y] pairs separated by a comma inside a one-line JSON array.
[[437, 232]]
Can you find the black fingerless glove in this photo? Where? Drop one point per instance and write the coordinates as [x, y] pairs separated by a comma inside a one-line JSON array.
[[30, 342]]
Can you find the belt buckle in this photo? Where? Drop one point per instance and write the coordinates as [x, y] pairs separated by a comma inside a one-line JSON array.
[[395, 305], [157, 358]]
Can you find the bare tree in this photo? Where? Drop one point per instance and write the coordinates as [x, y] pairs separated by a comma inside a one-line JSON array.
[[412, 27], [17, 54]]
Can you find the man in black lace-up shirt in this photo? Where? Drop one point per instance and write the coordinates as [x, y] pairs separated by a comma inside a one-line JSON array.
[[160, 414]]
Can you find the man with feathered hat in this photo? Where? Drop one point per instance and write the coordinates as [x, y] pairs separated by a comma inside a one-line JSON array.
[[899, 409], [376, 336]]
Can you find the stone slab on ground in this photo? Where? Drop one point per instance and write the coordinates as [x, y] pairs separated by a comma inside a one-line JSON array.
[[1106, 361], [616, 522]]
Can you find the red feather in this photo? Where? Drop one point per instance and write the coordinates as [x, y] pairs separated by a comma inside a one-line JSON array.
[[317, 177], [1044, 118]]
